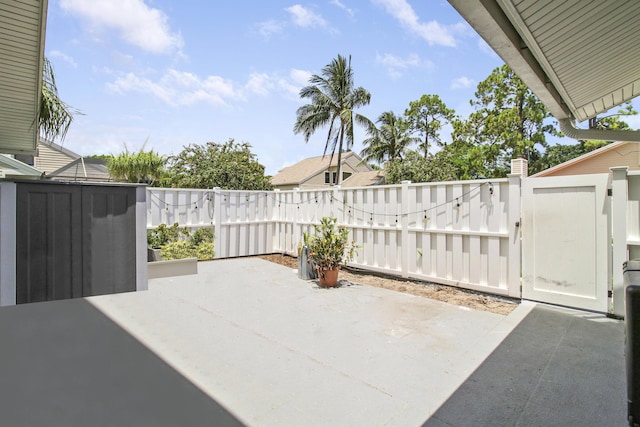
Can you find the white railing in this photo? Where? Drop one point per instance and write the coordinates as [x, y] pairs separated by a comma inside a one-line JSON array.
[[458, 233]]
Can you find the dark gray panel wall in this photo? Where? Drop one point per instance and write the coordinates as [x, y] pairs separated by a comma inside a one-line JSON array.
[[109, 237], [74, 241]]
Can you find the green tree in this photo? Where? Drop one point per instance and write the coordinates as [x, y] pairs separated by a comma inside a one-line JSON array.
[[510, 120], [333, 101], [55, 116], [614, 121], [146, 167], [426, 116], [556, 154], [417, 168], [230, 166], [389, 141]]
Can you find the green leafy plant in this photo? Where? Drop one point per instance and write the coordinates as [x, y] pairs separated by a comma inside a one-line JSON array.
[[177, 242], [163, 235], [330, 245]]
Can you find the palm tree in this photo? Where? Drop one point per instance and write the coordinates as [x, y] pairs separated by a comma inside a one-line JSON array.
[[389, 141], [141, 167], [333, 101], [55, 116]]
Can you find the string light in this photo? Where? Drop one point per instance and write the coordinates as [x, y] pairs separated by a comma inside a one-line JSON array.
[[351, 209]]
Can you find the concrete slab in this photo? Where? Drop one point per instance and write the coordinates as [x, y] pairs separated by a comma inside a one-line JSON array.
[[274, 350], [559, 367], [64, 363], [246, 342]]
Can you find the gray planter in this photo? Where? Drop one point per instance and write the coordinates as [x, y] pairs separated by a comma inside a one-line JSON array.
[[306, 268], [153, 255]]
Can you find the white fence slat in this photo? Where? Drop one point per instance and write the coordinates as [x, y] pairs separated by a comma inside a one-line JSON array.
[[454, 232]]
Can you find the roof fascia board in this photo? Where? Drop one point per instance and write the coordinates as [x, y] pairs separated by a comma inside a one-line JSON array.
[[493, 25], [18, 166]]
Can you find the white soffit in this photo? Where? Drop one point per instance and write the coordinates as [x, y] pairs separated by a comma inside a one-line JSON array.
[[580, 57], [22, 32]]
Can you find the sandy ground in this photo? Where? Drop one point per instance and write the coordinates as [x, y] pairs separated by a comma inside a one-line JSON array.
[[448, 294]]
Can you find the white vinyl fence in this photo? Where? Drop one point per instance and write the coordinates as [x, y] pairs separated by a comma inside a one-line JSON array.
[[462, 233]]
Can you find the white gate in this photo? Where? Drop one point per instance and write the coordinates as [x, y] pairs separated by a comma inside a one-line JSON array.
[[566, 240]]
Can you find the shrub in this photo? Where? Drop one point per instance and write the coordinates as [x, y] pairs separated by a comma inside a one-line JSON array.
[[178, 243], [162, 235]]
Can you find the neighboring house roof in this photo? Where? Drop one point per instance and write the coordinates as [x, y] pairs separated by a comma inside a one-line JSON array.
[[364, 179], [83, 169], [11, 167], [21, 60], [598, 161], [52, 156], [308, 168]]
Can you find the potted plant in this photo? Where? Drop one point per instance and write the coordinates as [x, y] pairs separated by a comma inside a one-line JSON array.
[[329, 248], [306, 268]]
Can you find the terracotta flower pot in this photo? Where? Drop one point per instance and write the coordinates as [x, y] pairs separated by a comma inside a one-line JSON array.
[[328, 276]]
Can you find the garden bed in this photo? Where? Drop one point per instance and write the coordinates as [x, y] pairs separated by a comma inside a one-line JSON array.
[[448, 294]]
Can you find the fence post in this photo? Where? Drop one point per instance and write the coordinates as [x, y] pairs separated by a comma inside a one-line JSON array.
[[514, 268], [8, 213], [296, 230], [217, 220], [404, 222], [620, 196]]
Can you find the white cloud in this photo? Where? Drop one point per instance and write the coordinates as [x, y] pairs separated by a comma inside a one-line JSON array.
[[267, 28], [291, 86], [137, 23], [433, 32], [260, 83], [462, 83], [180, 88], [396, 65], [306, 18], [66, 58], [342, 6], [177, 88], [300, 77]]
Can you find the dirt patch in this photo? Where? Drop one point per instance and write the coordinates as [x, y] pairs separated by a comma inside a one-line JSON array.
[[448, 294]]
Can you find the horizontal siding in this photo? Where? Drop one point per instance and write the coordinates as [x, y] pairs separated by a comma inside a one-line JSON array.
[[50, 159]]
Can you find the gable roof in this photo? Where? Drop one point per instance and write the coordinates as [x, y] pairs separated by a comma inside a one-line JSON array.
[[614, 146], [11, 168], [364, 179], [59, 148], [83, 169], [308, 168]]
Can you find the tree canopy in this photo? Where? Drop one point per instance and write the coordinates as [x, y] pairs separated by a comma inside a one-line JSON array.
[[333, 100], [230, 166], [389, 141], [426, 116]]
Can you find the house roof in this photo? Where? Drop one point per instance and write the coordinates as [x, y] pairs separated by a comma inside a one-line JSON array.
[[595, 153], [12, 168], [22, 32], [307, 168], [364, 179], [83, 169], [581, 58], [59, 148]]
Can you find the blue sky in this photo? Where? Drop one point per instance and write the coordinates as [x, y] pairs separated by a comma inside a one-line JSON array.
[[175, 72]]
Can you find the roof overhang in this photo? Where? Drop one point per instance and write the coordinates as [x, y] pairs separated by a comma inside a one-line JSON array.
[[22, 34], [12, 168], [581, 58]]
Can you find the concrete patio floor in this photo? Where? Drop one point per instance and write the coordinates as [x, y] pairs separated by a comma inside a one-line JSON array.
[[246, 342]]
